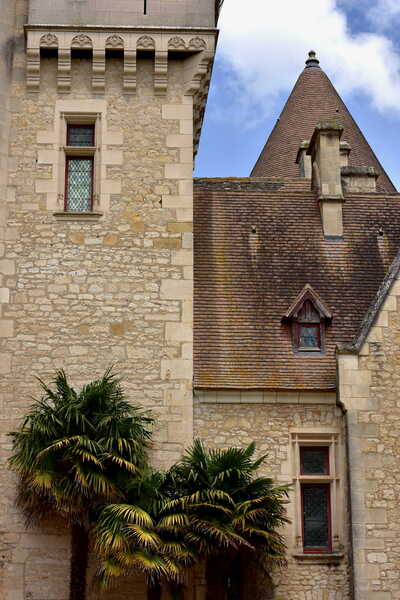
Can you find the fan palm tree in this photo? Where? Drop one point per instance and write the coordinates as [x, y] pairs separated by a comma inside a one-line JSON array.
[[210, 504], [231, 510], [144, 535], [73, 453]]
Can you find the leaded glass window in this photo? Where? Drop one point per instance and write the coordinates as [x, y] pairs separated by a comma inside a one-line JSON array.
[[316, 517], [80, 135], [79, 184], [314, 461], [309, 336]]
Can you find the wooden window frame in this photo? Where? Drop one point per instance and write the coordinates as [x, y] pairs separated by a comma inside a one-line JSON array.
[[68, 158], [296, 336], [329, 441], [318, 549], [298, 316]]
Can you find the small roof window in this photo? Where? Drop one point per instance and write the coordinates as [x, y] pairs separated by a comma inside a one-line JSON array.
[[308, 317]]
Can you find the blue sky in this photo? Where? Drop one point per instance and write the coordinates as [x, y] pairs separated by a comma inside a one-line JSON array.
[[261, 52]]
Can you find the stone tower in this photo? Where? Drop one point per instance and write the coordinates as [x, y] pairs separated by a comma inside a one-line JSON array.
[[106, 101]]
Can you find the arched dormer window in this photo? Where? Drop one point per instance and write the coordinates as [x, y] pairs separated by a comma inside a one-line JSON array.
[[308, 318]]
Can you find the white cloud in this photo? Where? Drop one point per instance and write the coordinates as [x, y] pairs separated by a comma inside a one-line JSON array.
[[265, 43]]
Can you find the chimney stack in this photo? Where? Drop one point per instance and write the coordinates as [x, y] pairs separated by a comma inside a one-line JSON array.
[[304, 160], [326, 161]]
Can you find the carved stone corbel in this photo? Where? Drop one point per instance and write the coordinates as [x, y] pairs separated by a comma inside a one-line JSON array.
[[197, 68], [130, 71], [98, 70], [64, 69], [160, 72], [33, 69]]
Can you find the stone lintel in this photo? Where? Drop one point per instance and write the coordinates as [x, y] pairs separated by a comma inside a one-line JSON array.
[[237, 396]]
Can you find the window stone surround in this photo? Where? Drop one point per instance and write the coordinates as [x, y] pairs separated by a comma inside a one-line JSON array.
[[93, 110]]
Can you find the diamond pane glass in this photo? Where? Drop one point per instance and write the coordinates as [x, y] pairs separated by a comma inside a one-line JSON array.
[[314, 461], [80, 135], [79, 184], [309, 336], [315, 517]]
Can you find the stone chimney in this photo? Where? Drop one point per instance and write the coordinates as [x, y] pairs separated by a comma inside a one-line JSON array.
[[356, 179], [304, 160], [326, 161], [359, 179], [345, 150]]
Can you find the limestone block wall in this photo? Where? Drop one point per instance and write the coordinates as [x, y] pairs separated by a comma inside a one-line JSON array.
[[272, 420], [189, 13], [370, 390], [7, 44], [84, 292]]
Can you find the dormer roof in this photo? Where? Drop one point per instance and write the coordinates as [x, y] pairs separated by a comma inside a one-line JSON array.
[[307, 293]]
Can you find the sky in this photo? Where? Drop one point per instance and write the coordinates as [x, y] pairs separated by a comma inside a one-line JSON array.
[[261, 51]]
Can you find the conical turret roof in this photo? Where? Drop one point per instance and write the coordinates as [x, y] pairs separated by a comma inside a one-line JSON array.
[[313, 98]]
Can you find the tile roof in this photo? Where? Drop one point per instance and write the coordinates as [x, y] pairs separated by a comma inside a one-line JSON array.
[[313, 99], [258, 242]]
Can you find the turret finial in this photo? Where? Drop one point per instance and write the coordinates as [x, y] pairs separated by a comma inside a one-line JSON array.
[[312, 60]]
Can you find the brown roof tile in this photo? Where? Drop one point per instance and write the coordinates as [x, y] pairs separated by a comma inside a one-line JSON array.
[[256, 247], [313, 99]]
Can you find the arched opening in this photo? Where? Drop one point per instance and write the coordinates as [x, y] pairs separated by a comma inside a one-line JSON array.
[[239, 576]]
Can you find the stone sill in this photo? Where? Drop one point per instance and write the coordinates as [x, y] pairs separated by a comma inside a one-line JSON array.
[[334, 558], [78, 216]]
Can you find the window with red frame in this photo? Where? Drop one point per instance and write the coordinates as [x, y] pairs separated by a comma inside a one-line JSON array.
[[79, 169], [307, 329], [315, 500]]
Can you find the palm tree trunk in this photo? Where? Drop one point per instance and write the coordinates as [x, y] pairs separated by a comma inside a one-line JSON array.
[[79, 561], [154, 592], [176, 591]]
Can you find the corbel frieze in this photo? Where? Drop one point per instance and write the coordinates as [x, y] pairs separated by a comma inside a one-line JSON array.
[[200, 49]]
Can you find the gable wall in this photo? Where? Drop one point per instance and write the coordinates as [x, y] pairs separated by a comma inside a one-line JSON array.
[[370, 390]]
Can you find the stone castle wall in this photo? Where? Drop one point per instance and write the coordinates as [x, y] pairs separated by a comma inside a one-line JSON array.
[[84, 294], [370, 391], [271, 426], [175, 13]]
